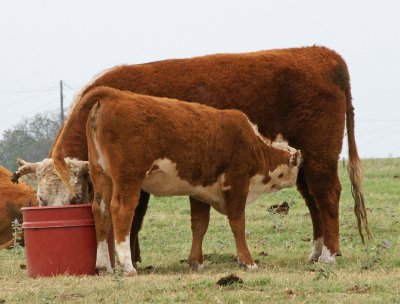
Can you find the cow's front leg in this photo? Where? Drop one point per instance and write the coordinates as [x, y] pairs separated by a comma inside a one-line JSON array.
[[235, 199], [102, 218], [200, 217], [123, 205]]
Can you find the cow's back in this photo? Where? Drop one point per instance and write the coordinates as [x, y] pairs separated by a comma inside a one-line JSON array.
[[295, 92]]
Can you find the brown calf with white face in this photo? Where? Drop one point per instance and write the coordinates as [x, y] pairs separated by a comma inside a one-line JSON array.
[[169, 147]]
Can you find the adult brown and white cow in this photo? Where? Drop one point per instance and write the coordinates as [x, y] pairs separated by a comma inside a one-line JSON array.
[[169, 147], [301, 93], [12, 199]]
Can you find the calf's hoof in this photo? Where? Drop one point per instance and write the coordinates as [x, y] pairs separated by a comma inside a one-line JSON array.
[[132, 273], [103, 271]]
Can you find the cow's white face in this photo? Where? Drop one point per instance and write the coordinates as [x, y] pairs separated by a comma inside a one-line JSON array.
[[52, 191]]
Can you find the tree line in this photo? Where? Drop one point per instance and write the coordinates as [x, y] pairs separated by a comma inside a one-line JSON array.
[[30, 139]]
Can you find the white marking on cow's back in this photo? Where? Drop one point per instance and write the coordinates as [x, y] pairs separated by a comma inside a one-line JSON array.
[[123, 250], [326, 256], [103, 256], [316, 250]]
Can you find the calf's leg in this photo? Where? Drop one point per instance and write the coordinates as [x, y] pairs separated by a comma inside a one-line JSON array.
[[102, 218], [200, 217], [123, 204], [235, 199]]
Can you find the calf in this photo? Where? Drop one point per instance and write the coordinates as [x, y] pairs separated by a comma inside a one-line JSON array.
[[169, 147], [12, 199]]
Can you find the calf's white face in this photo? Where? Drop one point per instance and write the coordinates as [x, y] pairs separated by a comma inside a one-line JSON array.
[[51, 190]]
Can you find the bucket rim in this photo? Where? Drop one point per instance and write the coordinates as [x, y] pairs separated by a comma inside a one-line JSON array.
[[56, 207]]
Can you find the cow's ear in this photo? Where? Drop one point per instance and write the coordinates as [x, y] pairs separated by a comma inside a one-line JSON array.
[[25, 168]]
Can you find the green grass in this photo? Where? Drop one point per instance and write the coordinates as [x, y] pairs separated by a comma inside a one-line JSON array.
[[280, 243]]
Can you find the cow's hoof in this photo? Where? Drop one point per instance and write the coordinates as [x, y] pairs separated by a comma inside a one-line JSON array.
[[249, 267], [326, 256], [252, 267], [196, 267], [313, 258]]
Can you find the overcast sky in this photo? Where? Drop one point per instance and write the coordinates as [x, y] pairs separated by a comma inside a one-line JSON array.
[[43, 42]]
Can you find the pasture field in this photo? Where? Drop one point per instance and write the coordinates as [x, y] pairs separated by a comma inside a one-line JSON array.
[[280, 244]]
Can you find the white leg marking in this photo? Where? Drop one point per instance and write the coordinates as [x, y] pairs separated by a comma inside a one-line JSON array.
[[103, 263], [317, 250], [326, 256], [102, 207], [123, 250]]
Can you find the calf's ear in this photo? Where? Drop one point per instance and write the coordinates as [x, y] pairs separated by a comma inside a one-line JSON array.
[[295, 159], [83, 167]]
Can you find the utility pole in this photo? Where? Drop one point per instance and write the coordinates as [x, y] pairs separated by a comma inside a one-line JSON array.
[[62, 102]]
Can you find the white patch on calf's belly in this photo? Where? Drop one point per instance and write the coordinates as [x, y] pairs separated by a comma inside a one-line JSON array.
[[164, 181]]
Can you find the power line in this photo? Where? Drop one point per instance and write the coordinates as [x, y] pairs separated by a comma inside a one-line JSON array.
[[31, 111], [23, 91], [30, 97]]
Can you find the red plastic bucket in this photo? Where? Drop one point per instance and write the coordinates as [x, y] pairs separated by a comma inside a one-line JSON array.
[[61, 240]]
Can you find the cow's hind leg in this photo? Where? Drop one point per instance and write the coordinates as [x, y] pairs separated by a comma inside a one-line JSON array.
[[200, 217], [235, 199], [318, 239], [324, 186], [102, 218], [140, 212], [123, 204]]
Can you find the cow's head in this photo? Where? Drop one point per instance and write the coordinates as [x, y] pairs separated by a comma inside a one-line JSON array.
[[51, 190]]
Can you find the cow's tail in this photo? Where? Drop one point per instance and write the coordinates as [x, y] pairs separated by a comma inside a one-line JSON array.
[[355, 169], [87, 101]]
